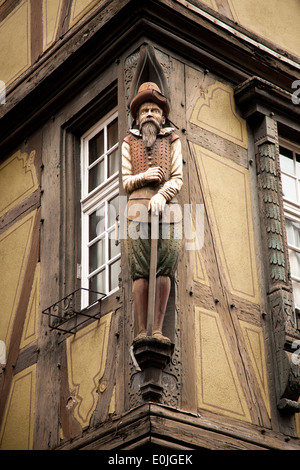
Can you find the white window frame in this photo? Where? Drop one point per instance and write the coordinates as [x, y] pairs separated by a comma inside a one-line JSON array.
[[292, 208], [91, 201]]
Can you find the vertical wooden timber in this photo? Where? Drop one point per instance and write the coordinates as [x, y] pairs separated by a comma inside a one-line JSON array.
[[280, 297], [46, 430], [123, 327], [36, 29], [185, 303]]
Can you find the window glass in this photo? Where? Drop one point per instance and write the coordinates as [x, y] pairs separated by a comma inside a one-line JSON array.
[[97, 222], [96, 175], [113, 162], [96, 147], [100, 210], [293, 232], [296, 292], [97, 284], [289, 188], [112, 134], [286, 164], [114, 271], [113, 210], [298, 165], [97, 254]]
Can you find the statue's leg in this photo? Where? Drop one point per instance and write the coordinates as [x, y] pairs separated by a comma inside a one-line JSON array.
[[140, 301], [163, 287]]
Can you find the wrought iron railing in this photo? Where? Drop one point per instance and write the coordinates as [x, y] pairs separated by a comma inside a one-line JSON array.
[[66, 314]]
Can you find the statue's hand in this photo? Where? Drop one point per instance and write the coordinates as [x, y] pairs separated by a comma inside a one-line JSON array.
[[157, 204], [155, 174]]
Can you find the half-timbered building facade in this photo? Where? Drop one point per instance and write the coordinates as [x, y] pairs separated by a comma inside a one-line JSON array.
[[70, 377]]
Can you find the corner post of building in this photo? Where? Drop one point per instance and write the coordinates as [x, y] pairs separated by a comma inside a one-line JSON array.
[[279, 293]]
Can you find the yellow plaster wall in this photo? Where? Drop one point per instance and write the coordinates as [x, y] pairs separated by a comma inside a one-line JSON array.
[[51, 17], [86, 358], [81, 8], [297, 419], [254, 341], [218, 386], [14, 247], [15, 51], [227, 192], [17, 427], [215, 111], [18, 180], [277, 21]]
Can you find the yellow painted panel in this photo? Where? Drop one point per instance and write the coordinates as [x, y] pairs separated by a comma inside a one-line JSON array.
[[86, 354], [30, 330], [200, 274], [227, 190], [112, 405], [254, 341], [211, 4], [17, 427], [15, 41], [297, 419], [14, 247], [51, 15], [18, 180], [218, 386], [276, 20], [81, 8], [215, 111]]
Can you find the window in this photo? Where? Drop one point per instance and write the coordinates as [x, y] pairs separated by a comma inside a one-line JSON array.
[[290, 175], [100, 259]]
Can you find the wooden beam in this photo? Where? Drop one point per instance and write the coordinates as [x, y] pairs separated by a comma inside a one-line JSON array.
[[153, 423]]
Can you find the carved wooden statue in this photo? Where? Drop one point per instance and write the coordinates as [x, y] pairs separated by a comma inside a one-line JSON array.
[[152, 176]]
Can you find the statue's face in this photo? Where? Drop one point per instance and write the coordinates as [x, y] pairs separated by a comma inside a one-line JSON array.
[[148, 111]]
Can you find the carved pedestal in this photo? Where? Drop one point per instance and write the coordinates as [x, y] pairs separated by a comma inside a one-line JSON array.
[[152, 356]]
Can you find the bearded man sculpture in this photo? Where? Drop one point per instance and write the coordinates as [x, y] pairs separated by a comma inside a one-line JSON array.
[[152, 176]]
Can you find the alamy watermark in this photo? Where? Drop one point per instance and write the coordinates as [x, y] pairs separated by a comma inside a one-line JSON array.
[[189, 221], [296, 94], [296, 354], [2, 92]]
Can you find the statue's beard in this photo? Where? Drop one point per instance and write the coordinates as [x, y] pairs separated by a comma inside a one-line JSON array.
[[149, 130]]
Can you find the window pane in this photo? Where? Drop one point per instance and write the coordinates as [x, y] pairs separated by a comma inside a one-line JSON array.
[[112, 134], [113, 210], [113, 162], [298, 165], [96, 255], [293, 232], [113, 247], [286, 160], [97, 223], [114, 271], [97, 284], [96, 147], [289, 187], [96, 175], [295, 263], [296, 292]]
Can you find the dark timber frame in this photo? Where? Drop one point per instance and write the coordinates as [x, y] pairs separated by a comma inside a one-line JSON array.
[[95, 45]]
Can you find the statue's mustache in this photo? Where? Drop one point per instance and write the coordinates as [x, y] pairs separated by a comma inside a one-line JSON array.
[[150, 120]]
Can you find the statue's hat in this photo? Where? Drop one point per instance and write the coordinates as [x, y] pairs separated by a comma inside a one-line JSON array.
[[149, 91]]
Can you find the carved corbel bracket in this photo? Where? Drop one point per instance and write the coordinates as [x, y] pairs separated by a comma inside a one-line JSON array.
[[152, 356]]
